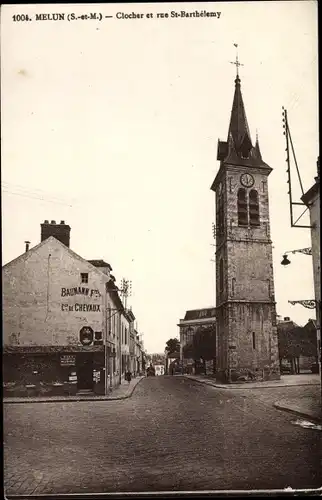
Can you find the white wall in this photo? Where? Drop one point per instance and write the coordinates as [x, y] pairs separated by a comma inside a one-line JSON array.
[[36, 308]]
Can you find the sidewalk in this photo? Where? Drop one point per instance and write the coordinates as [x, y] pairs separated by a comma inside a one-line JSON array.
[[306, 407], [123, 391], [286, 381]]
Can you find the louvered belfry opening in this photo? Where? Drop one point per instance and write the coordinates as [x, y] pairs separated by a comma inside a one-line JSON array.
[[242, 207], [253, 208]]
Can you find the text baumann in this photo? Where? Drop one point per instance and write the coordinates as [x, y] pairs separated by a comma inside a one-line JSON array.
[[79, 290]]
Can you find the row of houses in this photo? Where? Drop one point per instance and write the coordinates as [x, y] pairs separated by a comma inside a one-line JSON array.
[[66, 327]]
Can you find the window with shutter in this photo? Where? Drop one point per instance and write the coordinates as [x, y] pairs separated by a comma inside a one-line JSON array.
[[253, 208], [242, 207]]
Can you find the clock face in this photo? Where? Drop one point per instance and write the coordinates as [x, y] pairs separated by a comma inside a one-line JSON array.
[[247, 180]]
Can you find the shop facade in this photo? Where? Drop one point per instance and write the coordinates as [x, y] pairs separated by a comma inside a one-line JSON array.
[[56, 322]]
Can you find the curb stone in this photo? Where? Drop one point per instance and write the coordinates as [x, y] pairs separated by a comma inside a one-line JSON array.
[[244, 386], [127, 395], [302, 414]]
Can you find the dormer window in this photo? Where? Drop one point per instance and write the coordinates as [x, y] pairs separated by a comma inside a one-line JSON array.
[[245, 147]]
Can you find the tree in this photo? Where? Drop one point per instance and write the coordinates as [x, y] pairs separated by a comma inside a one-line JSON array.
[[172, 346]]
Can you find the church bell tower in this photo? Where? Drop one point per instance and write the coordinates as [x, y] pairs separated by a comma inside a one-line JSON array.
[[245, 304]]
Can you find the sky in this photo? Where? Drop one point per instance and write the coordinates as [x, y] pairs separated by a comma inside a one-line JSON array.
[[113, 125]]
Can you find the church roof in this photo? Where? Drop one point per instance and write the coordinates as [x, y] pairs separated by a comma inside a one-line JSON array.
[[209, 312]]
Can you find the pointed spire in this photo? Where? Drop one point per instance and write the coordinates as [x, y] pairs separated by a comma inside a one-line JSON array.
[[238, 126], [238, 149]]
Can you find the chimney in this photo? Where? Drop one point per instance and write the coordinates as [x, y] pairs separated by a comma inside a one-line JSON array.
[[59, 231], [27, 243]]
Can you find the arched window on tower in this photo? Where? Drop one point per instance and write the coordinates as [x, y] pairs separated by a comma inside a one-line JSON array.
[[253, 208], [221, 275], [242, 207]]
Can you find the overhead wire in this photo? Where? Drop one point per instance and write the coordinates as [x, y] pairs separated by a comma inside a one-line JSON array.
[[19, 190]]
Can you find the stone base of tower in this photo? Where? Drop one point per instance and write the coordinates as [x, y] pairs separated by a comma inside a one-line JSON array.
[[246, 375], [247, 342]]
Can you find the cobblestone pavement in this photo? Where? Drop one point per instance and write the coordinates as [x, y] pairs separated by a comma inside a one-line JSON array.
[[172, 434], [305, 402]]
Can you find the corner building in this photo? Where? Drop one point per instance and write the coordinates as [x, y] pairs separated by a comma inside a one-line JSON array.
[[245, 302], [57, 310]]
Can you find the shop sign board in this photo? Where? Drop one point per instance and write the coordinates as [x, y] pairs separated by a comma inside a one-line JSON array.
[[68, 360]]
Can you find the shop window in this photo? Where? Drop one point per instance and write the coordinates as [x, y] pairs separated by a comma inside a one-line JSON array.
[[253, 208], [84, 277], [242, 207]]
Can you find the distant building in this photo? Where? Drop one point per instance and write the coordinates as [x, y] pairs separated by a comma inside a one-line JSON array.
[[159, 369], [189, 325], [297, 345], [139, 355], [127, 341]]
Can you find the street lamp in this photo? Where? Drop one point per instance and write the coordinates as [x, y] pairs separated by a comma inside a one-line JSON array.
[[286, 261]]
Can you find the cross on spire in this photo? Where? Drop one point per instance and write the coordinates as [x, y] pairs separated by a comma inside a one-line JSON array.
[[237, 63]]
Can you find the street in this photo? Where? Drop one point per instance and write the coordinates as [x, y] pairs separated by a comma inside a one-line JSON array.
[[172, 434]]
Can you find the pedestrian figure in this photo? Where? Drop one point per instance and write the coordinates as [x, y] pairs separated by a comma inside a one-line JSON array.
[[128, 376]]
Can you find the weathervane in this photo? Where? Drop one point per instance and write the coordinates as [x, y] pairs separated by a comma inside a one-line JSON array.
[[237, 63]]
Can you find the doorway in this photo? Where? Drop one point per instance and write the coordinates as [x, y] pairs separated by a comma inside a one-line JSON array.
[[84, 366]]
